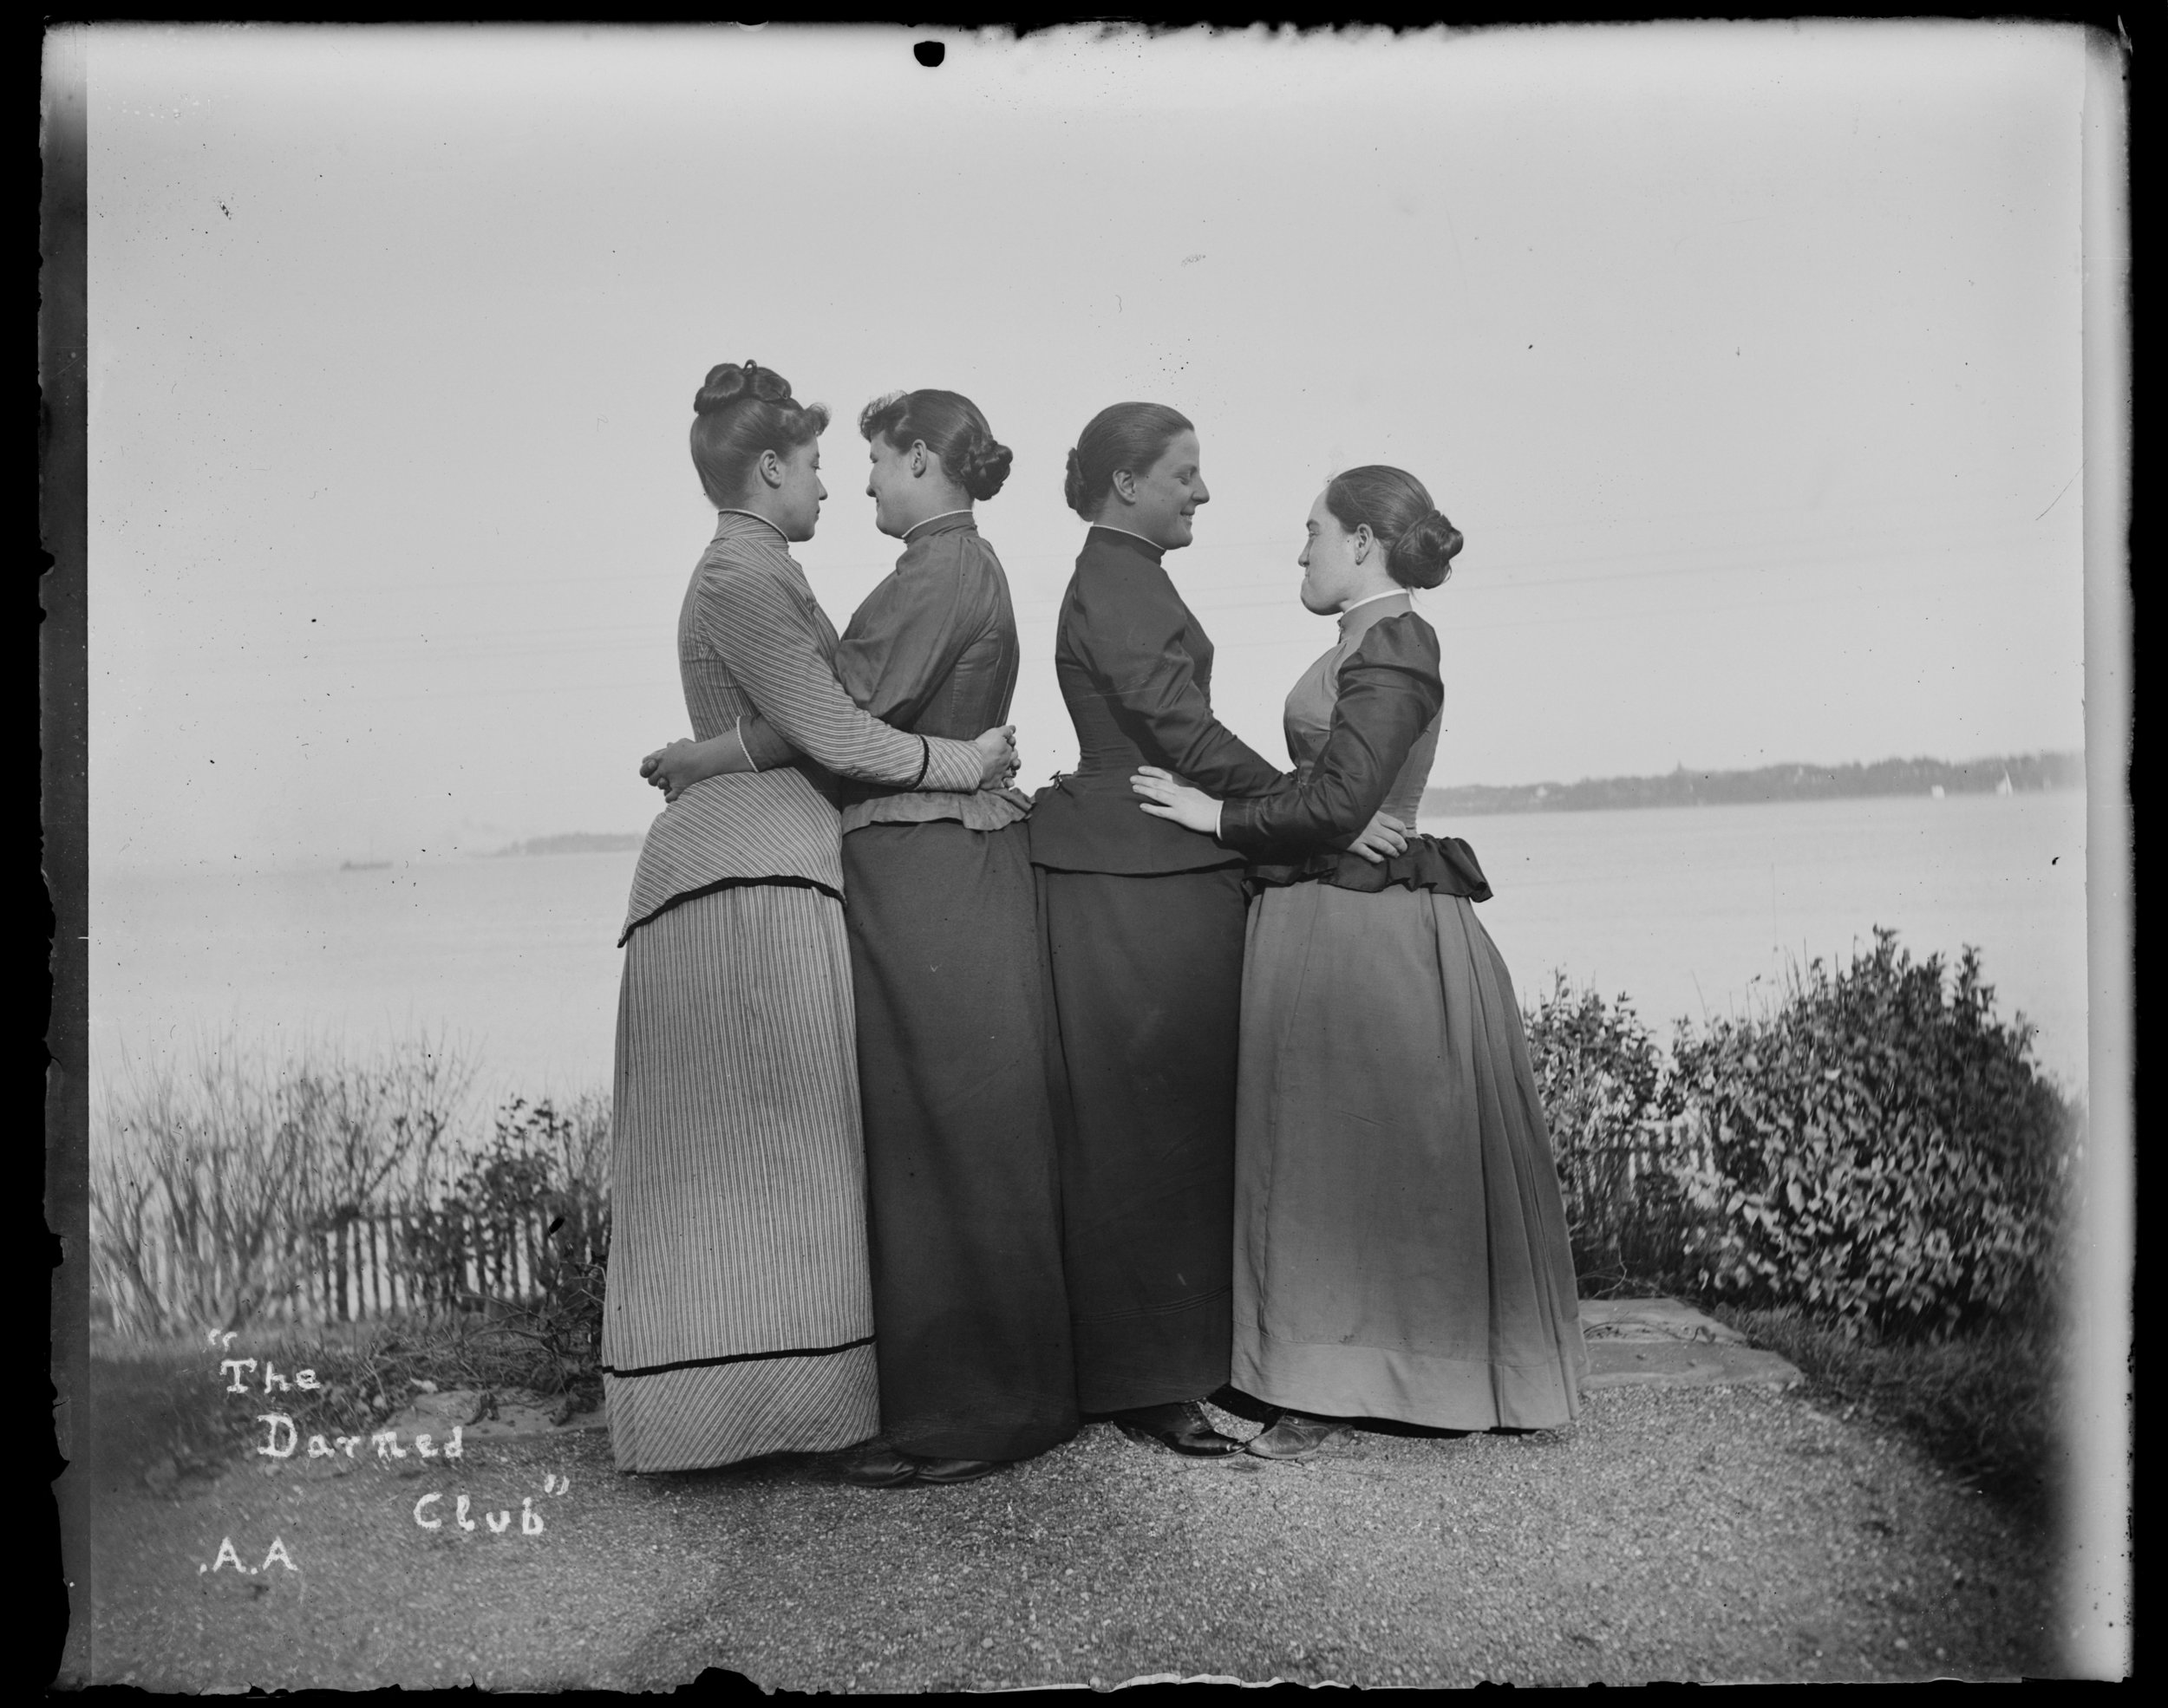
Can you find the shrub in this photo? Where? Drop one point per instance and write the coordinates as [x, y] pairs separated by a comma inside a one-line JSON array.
[[1882, 1151], [1876, 1149], [208, 1186], [1601, 1075]]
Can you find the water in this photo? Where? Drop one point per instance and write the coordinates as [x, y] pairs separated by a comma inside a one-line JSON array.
[[1700, 911], [1688, 910]]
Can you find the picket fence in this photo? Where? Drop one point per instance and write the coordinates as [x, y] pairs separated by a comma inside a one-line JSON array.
[[415, 1261]]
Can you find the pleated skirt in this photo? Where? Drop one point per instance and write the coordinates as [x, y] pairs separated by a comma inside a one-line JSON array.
[[1400, 1246], [971, 1315], [737, 1313], [1144, 977]]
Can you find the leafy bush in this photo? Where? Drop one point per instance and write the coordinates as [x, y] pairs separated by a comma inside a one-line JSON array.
[[1601, 1076], [1878, 1150], [1881, 1151], [541, 1182]]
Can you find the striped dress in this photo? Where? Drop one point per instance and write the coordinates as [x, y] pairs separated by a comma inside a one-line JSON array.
[[738, 1319]]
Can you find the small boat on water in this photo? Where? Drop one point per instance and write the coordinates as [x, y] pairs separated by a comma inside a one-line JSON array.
[[363, 865]]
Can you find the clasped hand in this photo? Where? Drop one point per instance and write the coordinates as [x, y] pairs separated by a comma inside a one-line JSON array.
[[1166, 797], [676, 768], [670, 769]]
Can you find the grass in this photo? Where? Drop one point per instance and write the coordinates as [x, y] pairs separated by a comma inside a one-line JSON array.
[[1986, 1405], [169, 1401]]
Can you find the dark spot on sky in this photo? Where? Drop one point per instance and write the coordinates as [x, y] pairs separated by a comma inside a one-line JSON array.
[[930, 53]]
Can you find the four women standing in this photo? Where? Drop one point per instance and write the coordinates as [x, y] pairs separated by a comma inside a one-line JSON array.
[[1091, 1244]]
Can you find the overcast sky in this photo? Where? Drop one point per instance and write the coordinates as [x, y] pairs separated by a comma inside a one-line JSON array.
[[1746, 358]]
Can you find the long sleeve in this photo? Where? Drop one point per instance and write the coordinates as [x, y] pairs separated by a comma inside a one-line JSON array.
[[1389, 691], [901, 647], [1130, 637], [900, 650], [756, 625]]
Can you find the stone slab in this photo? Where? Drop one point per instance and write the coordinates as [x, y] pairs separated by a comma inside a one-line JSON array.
[[1665, 1343], [1684, 1364], [1653, 1320]]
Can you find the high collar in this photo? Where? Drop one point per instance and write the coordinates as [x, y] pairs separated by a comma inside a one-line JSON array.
[[1365, 614], [1122, 539], [736, 523], [947, 523]]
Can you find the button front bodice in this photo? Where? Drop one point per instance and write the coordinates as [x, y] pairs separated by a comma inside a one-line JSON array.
[[1306, 719]]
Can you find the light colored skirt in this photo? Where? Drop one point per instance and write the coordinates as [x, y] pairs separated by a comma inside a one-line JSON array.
[[738, 1315], [1400, 1246]]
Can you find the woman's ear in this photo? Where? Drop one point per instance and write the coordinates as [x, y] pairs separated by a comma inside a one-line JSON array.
[[1363, 540], [1124, 485], [771, 467], [917, 456]]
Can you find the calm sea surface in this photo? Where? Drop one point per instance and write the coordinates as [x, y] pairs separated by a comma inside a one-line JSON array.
[[1689, 911]]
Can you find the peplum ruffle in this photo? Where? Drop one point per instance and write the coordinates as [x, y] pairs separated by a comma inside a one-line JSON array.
[[1444, 865]]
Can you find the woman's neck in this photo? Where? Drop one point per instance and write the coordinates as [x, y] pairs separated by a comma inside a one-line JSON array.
[[1372, 595], [1118, 524], [760, 503]]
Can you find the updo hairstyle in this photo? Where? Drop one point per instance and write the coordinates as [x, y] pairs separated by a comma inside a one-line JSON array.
[[1122, 436], [1420, 543], [952, 428], [742, 411]]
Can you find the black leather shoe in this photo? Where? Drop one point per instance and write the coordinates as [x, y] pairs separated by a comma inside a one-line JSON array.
[[880, 1466], [956, 1470], [1297, 1436], [1180, 1425]]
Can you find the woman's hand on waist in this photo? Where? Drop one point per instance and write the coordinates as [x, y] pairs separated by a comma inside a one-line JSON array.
[[1166, 797], [997, 756], [1379, 840]]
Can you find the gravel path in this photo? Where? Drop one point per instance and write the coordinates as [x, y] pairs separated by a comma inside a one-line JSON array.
[[1724, 1534]]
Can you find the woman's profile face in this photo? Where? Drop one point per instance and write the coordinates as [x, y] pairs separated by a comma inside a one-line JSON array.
[[888, 483], [1329, 571], [1166, 496], [796, 500]]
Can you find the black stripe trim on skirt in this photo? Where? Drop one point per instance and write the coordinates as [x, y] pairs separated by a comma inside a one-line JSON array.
[[790, 883], [739, 1357]]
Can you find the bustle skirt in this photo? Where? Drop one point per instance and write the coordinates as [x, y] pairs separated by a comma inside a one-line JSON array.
[[738, 1315], [1400, 1246]]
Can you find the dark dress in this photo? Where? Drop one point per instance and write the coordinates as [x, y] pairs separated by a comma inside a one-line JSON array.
[[1401, 1245], [970, 1317], [1143, 924]]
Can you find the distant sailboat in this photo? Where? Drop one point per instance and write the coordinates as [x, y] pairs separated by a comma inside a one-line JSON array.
[[1936, 790], [2006, 787]]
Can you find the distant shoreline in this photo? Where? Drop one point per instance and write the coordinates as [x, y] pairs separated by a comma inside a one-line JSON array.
[[2023, 774], [2029, 773]]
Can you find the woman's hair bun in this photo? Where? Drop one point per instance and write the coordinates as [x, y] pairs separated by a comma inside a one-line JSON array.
[[1073, 483], [732, 382], [950, 426], [742, 411], [982, 467], [1418, 543], [1423, 556]]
